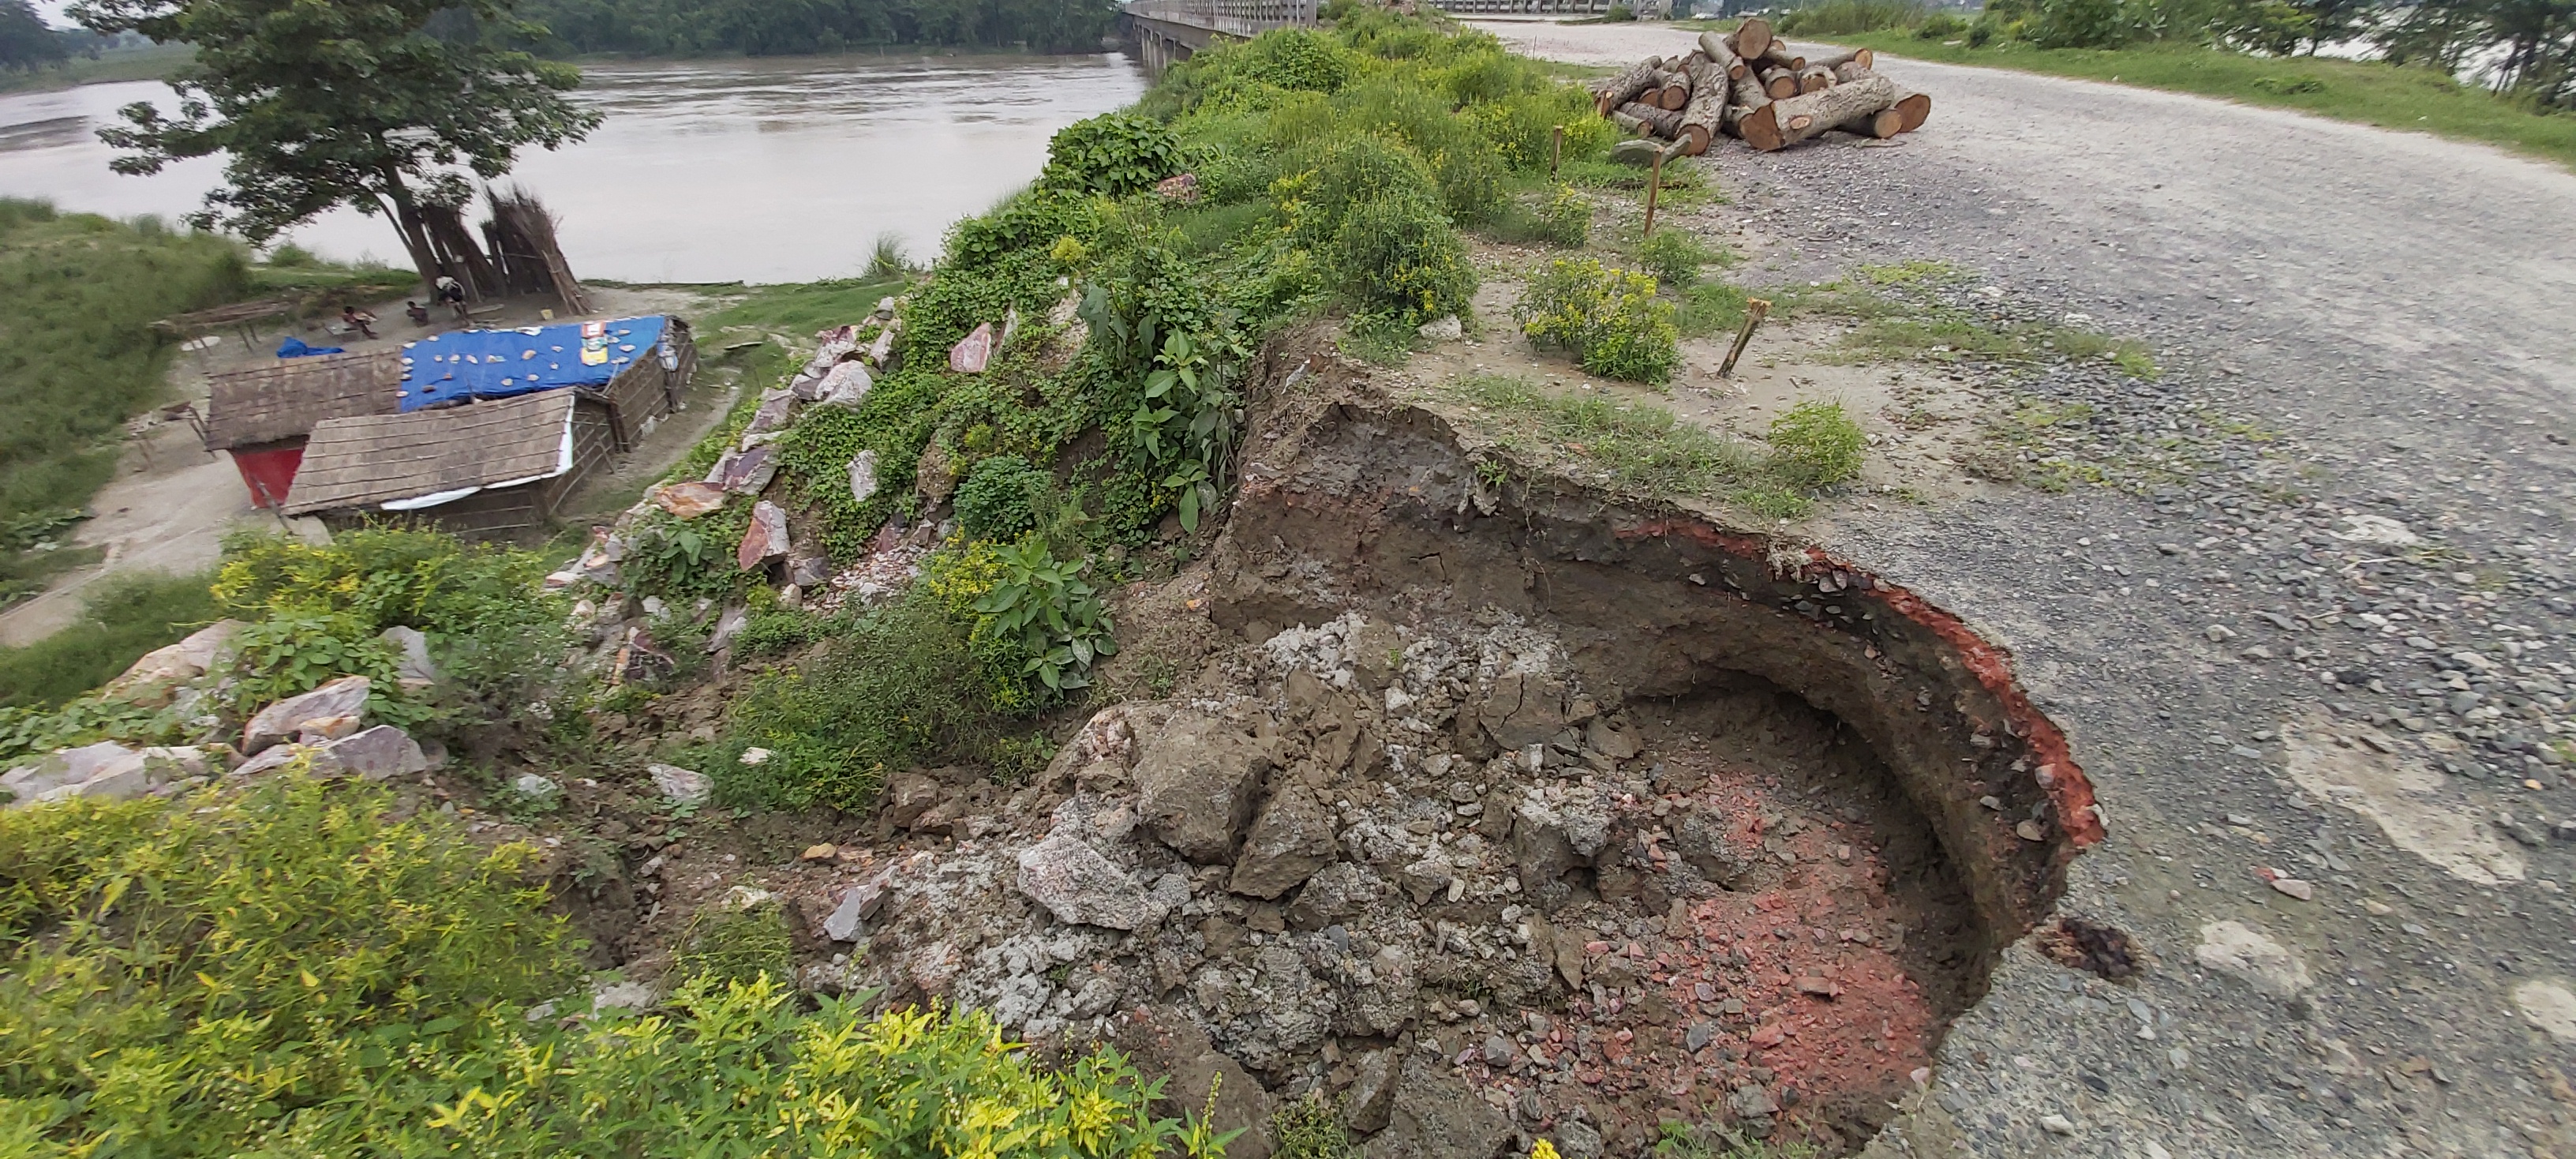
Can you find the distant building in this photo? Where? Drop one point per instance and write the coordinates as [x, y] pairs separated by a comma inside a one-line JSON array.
[[262, 416]]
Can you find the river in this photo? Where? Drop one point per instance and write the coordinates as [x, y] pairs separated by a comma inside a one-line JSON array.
[[779, 169]]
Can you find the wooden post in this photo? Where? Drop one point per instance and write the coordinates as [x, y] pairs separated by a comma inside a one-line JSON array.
[[1654, 186], [1755, 310], [1555, 150]]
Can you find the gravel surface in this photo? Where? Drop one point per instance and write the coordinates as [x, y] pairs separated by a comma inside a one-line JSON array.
[[2320, 681]]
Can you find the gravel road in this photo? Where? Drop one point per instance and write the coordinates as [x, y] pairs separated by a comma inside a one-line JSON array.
[[2343, 658]]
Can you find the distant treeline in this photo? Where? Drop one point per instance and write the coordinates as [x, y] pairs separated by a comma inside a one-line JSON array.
[[788, 27]]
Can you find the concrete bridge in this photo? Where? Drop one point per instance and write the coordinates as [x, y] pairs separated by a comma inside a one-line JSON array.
[[1166, 32]]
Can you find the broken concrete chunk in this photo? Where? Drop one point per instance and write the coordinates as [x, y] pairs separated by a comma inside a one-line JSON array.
[[846, 386], [682, 786], [1370, 1103], [373, 755], [746, 472], [346, 696], [1080, 887], [1289, 841], [858, 904], [107, 770], [1198, 781]]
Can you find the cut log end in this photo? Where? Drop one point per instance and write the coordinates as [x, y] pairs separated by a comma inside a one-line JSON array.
[[1915, 108], [1752, 37]]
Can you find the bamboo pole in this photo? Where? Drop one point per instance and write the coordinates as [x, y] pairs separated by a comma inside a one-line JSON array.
[[1555, 150], [1654, 186], [1755, 310]]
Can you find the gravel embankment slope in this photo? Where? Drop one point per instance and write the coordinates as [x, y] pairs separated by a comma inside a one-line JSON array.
[[2254, 678]]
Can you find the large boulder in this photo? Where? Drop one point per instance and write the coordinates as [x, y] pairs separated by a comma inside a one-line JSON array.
[[346, 696], [414, 671], [1080, 887], [1555, 831], [1291, 839], [1436, 1115], [151, 681], [106, 769], [374, 754], [1197, 783]]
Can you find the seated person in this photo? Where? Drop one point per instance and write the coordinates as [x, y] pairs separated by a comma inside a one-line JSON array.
[[419, 314]]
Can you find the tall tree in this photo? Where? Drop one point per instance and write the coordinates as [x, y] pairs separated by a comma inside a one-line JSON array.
[[320, 103], [25, 40]]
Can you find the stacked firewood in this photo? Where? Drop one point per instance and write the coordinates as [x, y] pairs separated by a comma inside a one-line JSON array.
[[1747, 84]]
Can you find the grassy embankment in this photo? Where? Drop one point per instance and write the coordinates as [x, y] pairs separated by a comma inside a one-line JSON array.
[[1336, 173], [2366, 92], [78, 295], [151, 63]]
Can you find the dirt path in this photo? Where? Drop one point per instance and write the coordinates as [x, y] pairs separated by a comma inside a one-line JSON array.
[[2341, 659]]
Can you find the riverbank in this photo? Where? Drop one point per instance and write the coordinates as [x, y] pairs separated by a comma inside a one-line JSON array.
[[130, 64]]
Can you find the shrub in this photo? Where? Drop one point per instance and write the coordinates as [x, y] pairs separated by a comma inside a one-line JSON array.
[[288, 970], [1610, 319], [902, 686], [1816, 444], [121, 620], [1941, 26], [1845, 17], [2080, 24], [1323, 190], [1114, 154], [736, 946], [1052, 614], [1310, 1128], [1567, 218], [1298, 59], [994, 501], [1398, 262]]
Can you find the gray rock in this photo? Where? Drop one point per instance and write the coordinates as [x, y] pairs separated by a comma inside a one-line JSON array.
[[681, 786], [536, 787], [1445, 328], [1523, 709], [1370, 1102], [1701, 841], [1575, 1139], [346, 696], [1553, 835], [1080, 887], [863, 476], [1197, 782], [1750, 1101], [373, 755], [414, 671], [1437, 1116], [858, 904], [1289, 841], [1497, 1050], [728, 626], [153, 680], [908, 795]]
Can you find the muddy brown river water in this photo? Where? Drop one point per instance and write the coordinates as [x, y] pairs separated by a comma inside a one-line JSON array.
[[772, 170]]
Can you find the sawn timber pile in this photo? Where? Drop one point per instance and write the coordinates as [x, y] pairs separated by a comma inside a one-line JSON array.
[[1749, 85]]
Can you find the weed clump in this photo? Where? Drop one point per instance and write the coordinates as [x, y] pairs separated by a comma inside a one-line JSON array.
[[1815, 444], [1400, 264], [1609, 319], [994, 501]]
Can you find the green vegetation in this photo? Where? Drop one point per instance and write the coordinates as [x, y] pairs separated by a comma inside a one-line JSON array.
[[78, 295], [729, 945], [1844, 17], [289, 969], [125, 617], [1641, 448], [1310, 1128], [1904, 312], [1610, 319], [152, 62]]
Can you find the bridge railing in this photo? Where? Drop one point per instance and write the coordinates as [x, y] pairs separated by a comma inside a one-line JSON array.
[[1233, 17], [1587, 7]]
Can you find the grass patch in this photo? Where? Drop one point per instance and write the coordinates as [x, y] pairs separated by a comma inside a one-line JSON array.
[[126, 617], [1642, 448], [2367, 92], [798, 310], [1709, 309], [1901, 315]]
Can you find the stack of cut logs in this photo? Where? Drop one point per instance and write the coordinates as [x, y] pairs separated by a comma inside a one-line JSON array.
[[1746, 84]]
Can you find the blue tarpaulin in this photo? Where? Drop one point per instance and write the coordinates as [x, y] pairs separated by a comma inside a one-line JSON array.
[[501, 363], [294, 347]]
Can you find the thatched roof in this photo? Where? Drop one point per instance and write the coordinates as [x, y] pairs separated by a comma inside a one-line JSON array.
[[434, 455], [268, 403]]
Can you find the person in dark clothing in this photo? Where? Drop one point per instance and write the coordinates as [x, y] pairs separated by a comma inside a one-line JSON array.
[[358, 320], [452, 292], [419, 314]]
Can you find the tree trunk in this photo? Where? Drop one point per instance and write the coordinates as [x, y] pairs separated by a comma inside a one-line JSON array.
[[1916, 107], [1624, 87], [1663, 123], [1722, 54], [1882, 124], [1779, 56], [1752, 37], [1707, 107], [395, 200], [1860, 56], [1782, 123], [1779, 83], [1815, 79]]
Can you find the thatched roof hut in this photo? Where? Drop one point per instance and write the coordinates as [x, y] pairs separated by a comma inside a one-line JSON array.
[[262, 416], [485, 468]]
